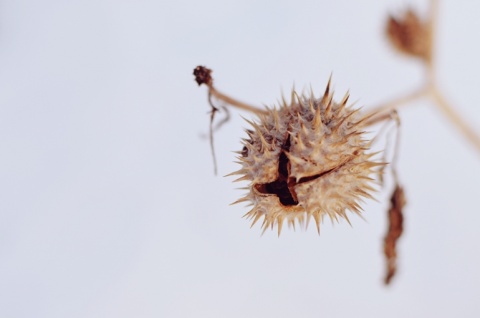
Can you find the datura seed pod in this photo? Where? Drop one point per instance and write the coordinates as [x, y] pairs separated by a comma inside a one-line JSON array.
[[306, 159]]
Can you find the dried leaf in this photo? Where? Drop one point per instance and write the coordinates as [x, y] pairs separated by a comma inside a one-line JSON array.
[[395, 230], [410, 35]]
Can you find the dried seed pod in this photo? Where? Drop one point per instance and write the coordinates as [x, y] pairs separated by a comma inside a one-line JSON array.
[[306, 159], [410, 35]]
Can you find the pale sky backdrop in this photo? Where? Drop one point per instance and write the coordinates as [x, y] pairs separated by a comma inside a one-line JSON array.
[[108, 202]]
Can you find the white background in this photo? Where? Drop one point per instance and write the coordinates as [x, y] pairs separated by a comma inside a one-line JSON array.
[[108, 202]]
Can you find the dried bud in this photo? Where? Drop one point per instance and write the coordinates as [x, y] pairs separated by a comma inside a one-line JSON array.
[[203, 75], [410, 35], [306, 159]]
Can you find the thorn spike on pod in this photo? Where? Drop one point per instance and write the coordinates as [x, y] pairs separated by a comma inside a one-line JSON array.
[[241, 171], [333, 217], [370, 164], [340, 108], [244, 178], [311, 104], [328, 108], [248, 214], [300, 118], [257, 128], [252, 124], [299, 100], [316, 216], [368, 179], [284, 102], [357, 212], [292, 96], [247, 120], [305, 130], [241, 160], [356, 133], [279, 224], [365, 194], [345, 98], [265, 222], [300, 143], [257, 217], [264, 229], [308, 217], [365, 119], [276, 118], [327, 90], [369, 188], [259, 132], [292, 223], [242, 199], [355, 207], [311, 100], [345, 216], [293, 158], [344, 119], [265, 144], [317, 119], [301, 220]]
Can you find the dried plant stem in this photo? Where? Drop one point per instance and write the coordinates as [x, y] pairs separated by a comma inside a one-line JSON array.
[[210, 134], [383, 112], [203, 75], [430, 89], [432, 23], [235, 103], [433, 20], [451, 114]]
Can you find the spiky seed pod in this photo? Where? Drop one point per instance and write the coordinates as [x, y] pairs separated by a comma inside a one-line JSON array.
[[306, 159]]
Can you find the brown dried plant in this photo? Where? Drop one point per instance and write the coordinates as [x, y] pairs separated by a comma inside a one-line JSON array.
[[310, 158], [395, 230], [414, 37], [410, 35]]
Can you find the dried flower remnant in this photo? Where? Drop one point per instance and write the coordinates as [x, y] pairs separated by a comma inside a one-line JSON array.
[[410, 35], [395, 230], [203, 75]]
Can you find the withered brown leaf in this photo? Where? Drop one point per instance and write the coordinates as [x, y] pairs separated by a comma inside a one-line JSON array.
[[410, 35], [395, 230]]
